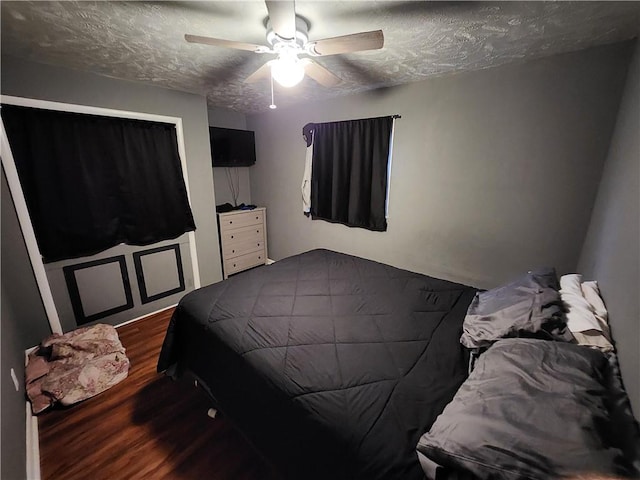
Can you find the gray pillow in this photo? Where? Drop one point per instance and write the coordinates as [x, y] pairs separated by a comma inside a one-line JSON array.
[[531, 409], [528, 306]]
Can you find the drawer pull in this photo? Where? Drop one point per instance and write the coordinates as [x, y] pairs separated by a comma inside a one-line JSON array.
[[257, 231], [258, 244], [259, 257], [257, 218], [230, 222], [233, 251], [231, 236], [234, 264]]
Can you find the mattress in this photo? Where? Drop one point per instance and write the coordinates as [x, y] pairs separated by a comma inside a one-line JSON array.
[[332, 365]]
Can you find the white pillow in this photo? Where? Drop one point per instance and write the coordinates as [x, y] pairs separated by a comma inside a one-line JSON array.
[[586, 313], [580, 317], [591, 294], [594, 339]]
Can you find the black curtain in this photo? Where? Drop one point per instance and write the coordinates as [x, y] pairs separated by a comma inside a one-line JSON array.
[[93, 182], [349, 172]]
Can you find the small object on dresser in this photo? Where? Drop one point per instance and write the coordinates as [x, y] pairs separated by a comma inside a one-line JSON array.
[[224, 207]]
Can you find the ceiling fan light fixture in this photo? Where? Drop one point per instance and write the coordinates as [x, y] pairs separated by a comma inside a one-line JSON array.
[[288, 38], [287, 70]]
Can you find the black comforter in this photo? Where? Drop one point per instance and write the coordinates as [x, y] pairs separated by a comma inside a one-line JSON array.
[[333, 365]]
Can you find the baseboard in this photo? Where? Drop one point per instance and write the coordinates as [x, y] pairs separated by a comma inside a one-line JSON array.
[[144, 316], [32, 437], [33, 445]]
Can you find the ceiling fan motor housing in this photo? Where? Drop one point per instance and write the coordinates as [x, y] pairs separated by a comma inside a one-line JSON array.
[[298, 43]]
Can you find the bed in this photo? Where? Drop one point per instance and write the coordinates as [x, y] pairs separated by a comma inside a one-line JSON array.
[[339, 367], [332, 365]]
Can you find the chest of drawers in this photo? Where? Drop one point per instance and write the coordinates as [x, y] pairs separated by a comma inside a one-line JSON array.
[[243, 239]]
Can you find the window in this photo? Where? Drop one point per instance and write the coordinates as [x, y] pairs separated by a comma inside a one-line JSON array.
[[349, 177], [93, 182]]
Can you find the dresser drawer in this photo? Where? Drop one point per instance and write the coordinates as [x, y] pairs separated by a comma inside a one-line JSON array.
[[241, 235], [251, 217], [243, 262], [236, 248]]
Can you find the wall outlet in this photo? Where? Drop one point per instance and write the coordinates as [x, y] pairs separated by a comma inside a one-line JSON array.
[[16, 383]]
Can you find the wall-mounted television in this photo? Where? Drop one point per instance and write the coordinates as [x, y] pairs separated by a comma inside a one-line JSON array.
[[232, 148]]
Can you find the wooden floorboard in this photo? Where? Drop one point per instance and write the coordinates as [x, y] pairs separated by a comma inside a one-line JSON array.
[[146, 427]]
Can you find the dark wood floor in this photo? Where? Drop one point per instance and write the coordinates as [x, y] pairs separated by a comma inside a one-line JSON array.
[[147, 426]]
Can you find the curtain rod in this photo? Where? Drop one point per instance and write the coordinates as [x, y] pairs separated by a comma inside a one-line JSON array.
[[307, 130]]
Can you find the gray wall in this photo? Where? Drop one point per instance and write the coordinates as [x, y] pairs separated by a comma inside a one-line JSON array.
[[19, 287], [12, 440], [219, 117], [27, 79], [611, 252], [494, 171], [23, 323]]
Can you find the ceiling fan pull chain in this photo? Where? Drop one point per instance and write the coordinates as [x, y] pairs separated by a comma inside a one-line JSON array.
[[273, 103]]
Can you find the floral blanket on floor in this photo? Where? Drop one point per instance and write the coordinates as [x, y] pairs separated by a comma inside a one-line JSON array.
[[75, 366]]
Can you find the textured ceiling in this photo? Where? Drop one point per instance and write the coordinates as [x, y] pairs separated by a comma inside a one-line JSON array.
[[144, 41]]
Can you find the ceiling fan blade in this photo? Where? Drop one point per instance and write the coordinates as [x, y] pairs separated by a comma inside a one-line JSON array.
[[282, 15], [320, 74], [217, 42], [263, 72], [355, 42]]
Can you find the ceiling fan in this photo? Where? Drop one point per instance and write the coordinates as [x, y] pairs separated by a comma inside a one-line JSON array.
[[288, 39]]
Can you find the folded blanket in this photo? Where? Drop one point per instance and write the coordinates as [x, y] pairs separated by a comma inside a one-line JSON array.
[[75, 366]]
